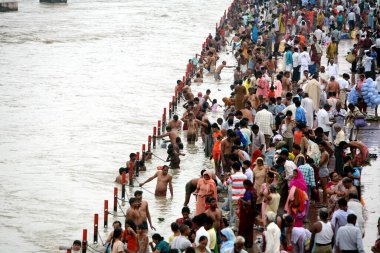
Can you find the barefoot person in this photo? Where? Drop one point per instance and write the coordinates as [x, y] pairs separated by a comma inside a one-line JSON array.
[[144, 211], [163, 180], [219, 70]]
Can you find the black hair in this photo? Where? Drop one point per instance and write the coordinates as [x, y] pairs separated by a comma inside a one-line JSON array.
[[77, 243], [174, 226], [116, 234], [351, 218], [185, 209], [236, 166], [131, 223], [247, 162], [342, 202], [157, 237]]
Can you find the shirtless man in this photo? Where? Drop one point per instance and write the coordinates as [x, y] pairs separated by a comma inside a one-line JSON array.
[[214, 213], [132, 163], [133, 213], [247, 113], [226, 150], [190, 187], [238, 75], [253, 98], [192, 130], [171, 133], [219, 70], [175, 123], [163, 180], [198, 78], [144, 210], [333, 86]]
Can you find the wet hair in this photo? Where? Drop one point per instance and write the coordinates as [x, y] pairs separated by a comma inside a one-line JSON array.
[[132, 200], [138, 192], [175, 117], [131, 155], [77, 243]]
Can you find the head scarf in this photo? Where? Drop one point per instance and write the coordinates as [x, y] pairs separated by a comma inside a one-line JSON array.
[[229, 244], [299, 182], [256, 154]]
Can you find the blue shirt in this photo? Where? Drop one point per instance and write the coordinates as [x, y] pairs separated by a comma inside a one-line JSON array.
[[288, 57], [279, 108]]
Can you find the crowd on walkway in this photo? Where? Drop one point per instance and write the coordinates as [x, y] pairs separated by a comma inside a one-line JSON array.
[[287, 142]]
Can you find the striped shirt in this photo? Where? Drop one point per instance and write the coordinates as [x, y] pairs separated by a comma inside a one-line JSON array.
[[237, 188]]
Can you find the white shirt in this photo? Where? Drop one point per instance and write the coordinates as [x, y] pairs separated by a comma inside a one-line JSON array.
[[349, 237], [343, 84], [272, 238], [377, 43], [180, 242], [249, 174], [318, 34], [357, 208], [264, 119], [289, 167], [295, 57], [351, 16], [323, 120]]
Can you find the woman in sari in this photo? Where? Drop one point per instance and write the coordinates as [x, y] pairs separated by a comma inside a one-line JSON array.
[[247, 213], [335, 190], [264, 192], [297, 202], [205, 187], [259, 172]]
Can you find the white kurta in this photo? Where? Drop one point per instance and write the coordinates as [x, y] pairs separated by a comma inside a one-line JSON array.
[[308, 105]]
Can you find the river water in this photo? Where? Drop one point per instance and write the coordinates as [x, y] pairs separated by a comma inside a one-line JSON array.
[[81, 86]]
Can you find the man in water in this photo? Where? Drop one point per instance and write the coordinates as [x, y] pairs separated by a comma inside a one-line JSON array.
[[144, 210], [163, 180], [133, 213], [175, 123], [171, 133], [219, 70], [190, 187]]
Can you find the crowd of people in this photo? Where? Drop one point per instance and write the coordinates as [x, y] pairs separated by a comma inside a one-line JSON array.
[[287, 143]]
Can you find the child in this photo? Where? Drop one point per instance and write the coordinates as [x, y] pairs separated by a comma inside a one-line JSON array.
[[173, 157], [214, 106], [271, 93], [130, 236], [142, 239]]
